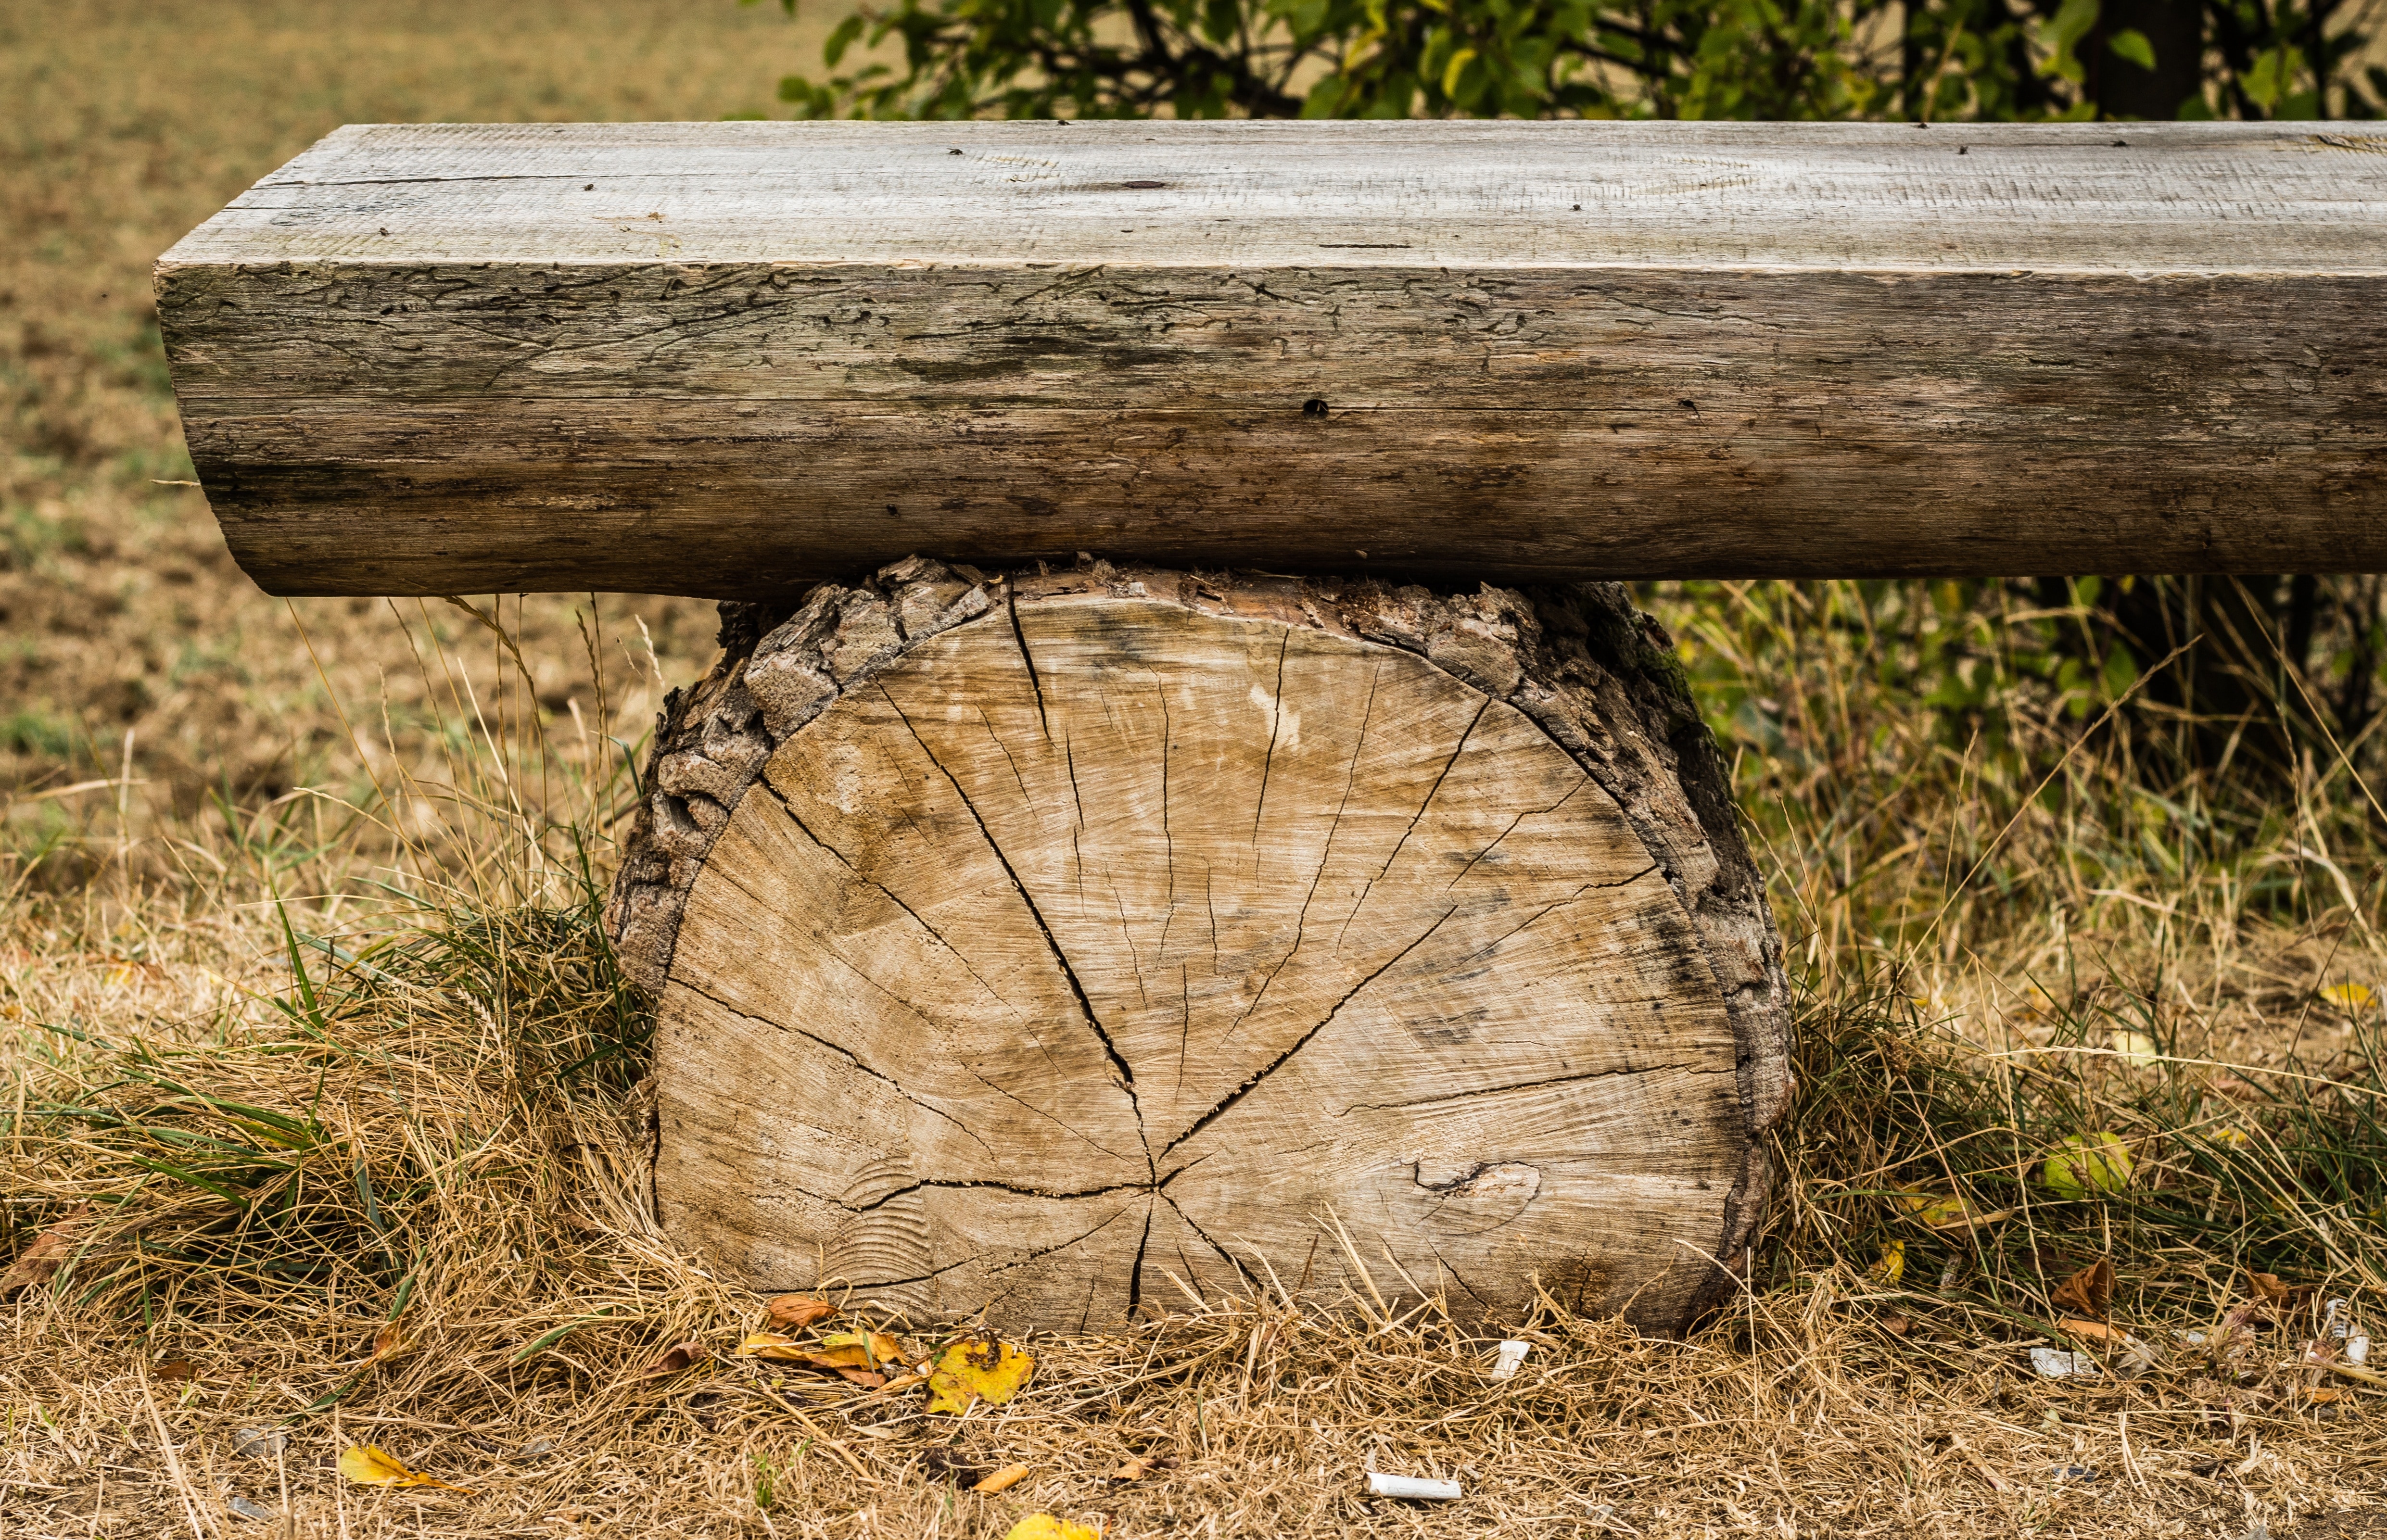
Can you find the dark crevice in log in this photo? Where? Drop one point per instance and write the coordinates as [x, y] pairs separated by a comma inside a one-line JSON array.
[[1204, 1236], [1135, 1270], [1011, 608], [1021, 1189], [1461, 1278], [1276, 722]]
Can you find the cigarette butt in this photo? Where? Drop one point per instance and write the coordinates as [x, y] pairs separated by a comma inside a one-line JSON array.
[[1511, 1355], [1419, 1487]]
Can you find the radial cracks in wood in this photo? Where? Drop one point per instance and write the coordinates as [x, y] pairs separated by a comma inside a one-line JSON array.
[[1240, 1091], [1301, 922], [1020, 1189], [1550, 908], [1534, 1085], [869, 982], [998, 1267], [1052, 942], [889, 894], [1041, 1046], [847, 1054], [1529, 813], [1204, 1236], [1415, 818]]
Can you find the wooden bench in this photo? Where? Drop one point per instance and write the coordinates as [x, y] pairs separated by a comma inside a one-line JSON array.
[[1173, 857]]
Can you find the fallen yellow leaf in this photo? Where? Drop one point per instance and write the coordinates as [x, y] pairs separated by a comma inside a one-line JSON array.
[[2347, 997], [367, 1466], [1003, 1479], [1043, 1526], [1939, 1211], [1892, 1266], [977, 1368], [851, 1359], [876, 1347], [851, 1354]]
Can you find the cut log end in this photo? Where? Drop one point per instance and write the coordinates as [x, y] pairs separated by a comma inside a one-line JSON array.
[[1074, 946]]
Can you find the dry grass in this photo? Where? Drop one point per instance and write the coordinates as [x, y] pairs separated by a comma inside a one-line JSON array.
[[301, 1121], [306, 1026]]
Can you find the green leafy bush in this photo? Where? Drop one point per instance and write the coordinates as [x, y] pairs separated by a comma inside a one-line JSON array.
[[1980, 59]]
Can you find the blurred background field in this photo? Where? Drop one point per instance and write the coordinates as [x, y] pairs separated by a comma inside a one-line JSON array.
[[125, 125], [336, 862]]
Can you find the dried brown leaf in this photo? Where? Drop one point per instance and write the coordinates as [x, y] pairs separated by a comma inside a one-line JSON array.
[[679, 1356], [47, 1254], [2088, 1292], [1142, 1465], [851, 1360], [794, 1312]]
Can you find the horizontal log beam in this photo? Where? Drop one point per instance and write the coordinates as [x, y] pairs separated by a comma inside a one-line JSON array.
[[729, 358]]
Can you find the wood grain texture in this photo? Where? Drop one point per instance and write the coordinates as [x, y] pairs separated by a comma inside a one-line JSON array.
[[1021, 942], [732, 358]]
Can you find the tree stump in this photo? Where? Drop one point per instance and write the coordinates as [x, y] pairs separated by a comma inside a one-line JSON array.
[[1067, 945]]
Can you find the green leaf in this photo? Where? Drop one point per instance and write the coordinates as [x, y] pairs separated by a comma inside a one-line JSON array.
[[1451, 71], [2273, 75], [2060, 35], [840, 40], [2131, 43], [2121, 671]]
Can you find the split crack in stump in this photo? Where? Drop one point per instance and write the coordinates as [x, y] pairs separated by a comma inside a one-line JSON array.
[[1060, 958], [1381, 947]]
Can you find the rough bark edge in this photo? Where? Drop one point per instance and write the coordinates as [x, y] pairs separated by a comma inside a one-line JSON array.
[[1597, 675]]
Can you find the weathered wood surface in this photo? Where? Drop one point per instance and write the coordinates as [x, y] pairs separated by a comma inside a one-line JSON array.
[[1020, 944], [727, 359]]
